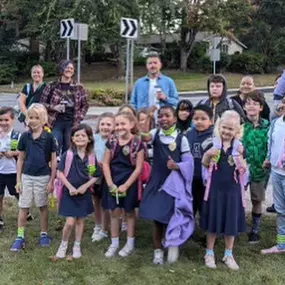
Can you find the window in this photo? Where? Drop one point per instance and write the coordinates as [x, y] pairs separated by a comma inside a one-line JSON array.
[[225, 48]]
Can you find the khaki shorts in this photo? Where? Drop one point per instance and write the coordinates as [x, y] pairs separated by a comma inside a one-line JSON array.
[[34, 188], [257, 191]]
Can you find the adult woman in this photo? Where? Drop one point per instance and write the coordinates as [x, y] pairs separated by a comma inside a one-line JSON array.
[[246, 86], [66, 103], [31, 92]]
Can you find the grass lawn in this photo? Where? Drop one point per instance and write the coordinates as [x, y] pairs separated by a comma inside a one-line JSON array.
[[184, 81], [32, 266]]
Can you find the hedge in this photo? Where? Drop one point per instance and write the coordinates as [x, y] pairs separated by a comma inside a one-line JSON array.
[[106, 97]]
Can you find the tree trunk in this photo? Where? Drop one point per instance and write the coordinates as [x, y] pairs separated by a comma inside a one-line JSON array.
[[183, 59]]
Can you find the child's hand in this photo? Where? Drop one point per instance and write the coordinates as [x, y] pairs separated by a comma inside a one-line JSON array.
[[9, 154], [122, 188], [72, 191], [81, 190], [212, 152], [171, 164], [50, 187], [18, 187], [266, 164]]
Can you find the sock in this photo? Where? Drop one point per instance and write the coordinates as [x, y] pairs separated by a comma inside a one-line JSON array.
[[1, 222], [281, 241], [98, 226], [77, 243], [255, 222], [115, 242], [43, 233], [20, 232], [64, 243], [228, 252], [209, 251], [131, 242]]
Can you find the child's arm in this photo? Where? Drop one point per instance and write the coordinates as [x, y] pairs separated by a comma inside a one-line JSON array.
[[106, 168], [67, 184], [11, 153], [20, 164], [83, 188], [53, 172], [139, 165], [212, 152]]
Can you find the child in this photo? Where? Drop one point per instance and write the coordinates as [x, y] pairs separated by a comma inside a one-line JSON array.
[[200, 139], [8, 154], [223, 209], [76, 201], [218, 101], [167, 196], [105, 128], [255, 143], [35, 178], [122, 168], [183, 115], [276, 158]]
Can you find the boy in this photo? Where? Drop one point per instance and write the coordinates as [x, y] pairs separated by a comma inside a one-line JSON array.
[[34, 176], [276, 158], [255, 144], [200, 139], [218, 101], [8, 154]]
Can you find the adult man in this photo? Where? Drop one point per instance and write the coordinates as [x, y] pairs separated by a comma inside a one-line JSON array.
[[155, 89]]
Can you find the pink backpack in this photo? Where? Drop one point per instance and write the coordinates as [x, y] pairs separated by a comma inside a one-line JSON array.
[[58, 185]]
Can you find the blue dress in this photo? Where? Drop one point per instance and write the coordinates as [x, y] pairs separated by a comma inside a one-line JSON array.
[[158, 205], [224, 213], [78, 206], [121, 169]]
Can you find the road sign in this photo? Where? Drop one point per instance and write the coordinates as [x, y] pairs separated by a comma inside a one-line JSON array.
[[129, 28], [215, 55], [66, 28], [80, 32]]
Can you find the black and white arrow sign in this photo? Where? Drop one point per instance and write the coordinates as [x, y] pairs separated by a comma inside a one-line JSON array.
[[66, 28], [129, 28]]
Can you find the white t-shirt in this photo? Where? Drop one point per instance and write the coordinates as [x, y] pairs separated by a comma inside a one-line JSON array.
[[152, 92], [7, 165]]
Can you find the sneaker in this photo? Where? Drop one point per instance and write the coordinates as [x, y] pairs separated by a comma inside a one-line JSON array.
[[61, 252], [76, 251], [18, 244], [99, 235], [173, 254], [158, 255], [210, 261], [272, 250], [45, 240], [230, 262], [253, 238], [30, 217], [1, 225], [271, 209], [112, 250], [126, 251], [124, 227]]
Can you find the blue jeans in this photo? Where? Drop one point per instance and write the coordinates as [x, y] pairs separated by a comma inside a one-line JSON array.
[[61, 131], [278, 182]]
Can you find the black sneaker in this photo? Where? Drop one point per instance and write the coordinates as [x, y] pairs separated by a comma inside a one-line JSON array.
[[1, 225], [30, 217], [271, 209], [253, 238]]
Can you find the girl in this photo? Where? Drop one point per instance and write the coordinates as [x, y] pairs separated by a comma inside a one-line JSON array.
[[76, 202], [223, 207], [122, 167], [169, 185], [105, 128], [183, 114]]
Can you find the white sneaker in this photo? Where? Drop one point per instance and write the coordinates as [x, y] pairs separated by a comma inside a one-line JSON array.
[[76, 251], [126, 251], [61, 252], [230, 262], [112, 250], [95, 232], [158, 255], [173, 254], [98, 236], [210, 261]]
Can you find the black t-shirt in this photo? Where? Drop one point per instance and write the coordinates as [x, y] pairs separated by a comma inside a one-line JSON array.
[[33, 96], [69, 101]]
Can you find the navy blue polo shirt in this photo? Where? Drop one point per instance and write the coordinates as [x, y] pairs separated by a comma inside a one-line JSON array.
[[37, 153]]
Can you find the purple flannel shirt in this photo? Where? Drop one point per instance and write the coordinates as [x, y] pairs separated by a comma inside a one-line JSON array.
[[52, 96]]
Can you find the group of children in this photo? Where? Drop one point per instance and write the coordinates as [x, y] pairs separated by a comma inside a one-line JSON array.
[[202, 160]]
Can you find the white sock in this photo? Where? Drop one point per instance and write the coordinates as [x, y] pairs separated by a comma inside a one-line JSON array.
[[115, 242], [98, 226], [64, 243], [131, 242], [77, 243]]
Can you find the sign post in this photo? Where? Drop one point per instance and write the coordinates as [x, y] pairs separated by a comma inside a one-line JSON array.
[[67, 32], [129, 30], [215, 54]]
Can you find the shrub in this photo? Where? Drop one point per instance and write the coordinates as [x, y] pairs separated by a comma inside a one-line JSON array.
[[7, 73], [205, 64], [247, 63], [107, 97], [49, 68]]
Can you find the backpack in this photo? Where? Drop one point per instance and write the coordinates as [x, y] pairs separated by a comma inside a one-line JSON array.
[[21, 116], [58, 184], [146, 170]]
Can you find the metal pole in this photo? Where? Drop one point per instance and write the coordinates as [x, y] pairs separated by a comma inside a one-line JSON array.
[[79, 56], [214, 67], [132, 63], [127, 70], [67, 48]]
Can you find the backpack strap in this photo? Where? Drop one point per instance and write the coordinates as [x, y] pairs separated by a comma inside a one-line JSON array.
[[135, 144], [113, 142], [91, 164], [270, 138], [68, 162]]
